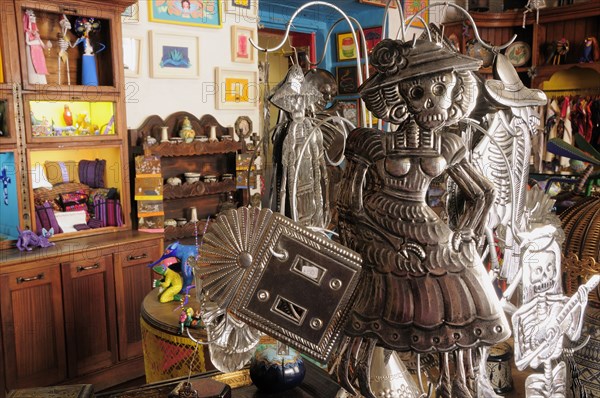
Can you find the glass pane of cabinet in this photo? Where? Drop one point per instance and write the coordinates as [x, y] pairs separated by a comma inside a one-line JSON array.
[[69, 119], [9, 198]]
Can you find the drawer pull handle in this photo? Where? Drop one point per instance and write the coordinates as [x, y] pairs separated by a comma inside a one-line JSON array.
[[39, 276], [131, 258], [87, 268]]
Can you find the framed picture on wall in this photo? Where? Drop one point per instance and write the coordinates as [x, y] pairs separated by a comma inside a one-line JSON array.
[[414, 6], [347, 49], [351, 110], [131, 14], [244, 8], [347, 80], [205, 13], [236, 89], [174, 56], [241, 49], [372, 36], [132, 56], [380, 3]]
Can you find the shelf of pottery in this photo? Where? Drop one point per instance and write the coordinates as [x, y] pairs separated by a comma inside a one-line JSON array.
[[186, 174]]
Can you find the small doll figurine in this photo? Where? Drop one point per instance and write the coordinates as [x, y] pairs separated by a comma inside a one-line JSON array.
[[36, 62], [64, 44], [84, 27], [591, 50]]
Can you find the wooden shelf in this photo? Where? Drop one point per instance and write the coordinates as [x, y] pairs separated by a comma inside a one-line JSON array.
[[197, 189], [186, 231], [172, 149]]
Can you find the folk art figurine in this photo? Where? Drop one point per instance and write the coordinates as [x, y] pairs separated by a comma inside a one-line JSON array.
[[36, 62], [170, 285], [300, 178], [183, 254], [424, 286], [591, 50], [28, 239], [64, 44], [84, 27]]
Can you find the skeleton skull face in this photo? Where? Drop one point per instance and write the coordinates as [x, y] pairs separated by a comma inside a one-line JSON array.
[[429, 98], [543, 273]]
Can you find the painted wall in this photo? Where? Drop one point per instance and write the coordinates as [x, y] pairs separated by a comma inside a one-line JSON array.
[[147, 96]]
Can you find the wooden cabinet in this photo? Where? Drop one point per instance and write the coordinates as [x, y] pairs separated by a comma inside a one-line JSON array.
[[63, 107], [207, 158], [70, 313], [573, 22], [133, 282], [33, 326], [90, 325]]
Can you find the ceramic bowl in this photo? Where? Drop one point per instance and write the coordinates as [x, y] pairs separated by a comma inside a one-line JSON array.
[[181, 221], [201, 138], [226, 138], [176, 140], [209, 178], [170, 222], [227, 177], [191, 178]]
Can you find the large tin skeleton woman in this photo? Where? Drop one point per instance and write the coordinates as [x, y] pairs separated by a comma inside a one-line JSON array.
[[424, 286]]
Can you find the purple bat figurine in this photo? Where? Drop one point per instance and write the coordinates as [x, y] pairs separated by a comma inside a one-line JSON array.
[[27, 239]]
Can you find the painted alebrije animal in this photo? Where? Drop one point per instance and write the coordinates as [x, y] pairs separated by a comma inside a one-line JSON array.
[[171, 282], [184, 253], [28, 239]]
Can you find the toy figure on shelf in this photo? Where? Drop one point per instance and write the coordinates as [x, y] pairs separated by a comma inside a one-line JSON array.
[[188, 318], [558, 52], [28, 239], [300, 178], [84, 27], [171, 283], [5, 179], [424, 286], [67, 115], [185, 254], [36, 61], [64, 44], [591, 50]]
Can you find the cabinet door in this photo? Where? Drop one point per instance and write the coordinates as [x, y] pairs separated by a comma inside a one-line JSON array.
[[89, 301], [133, 281], [33, 327]]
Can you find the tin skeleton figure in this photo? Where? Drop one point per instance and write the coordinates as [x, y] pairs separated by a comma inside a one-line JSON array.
[[424, 287], [301, 176], [64, 44], [503, 155], [546, 316]]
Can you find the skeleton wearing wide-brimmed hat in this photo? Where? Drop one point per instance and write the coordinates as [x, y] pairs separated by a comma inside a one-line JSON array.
[[424, 286]]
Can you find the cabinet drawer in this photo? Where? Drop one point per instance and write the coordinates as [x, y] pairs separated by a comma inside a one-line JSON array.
[[83, 267]]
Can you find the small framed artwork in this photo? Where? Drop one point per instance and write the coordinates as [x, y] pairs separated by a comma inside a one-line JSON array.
[[347, 49], [243, 126], [372, 36], [347, 80], [131, 14], [244, 8], [132, 56], [174, 56], [351, 111], [205, 13], [380, 3], [414, 6], [241, 49], [236, 89]]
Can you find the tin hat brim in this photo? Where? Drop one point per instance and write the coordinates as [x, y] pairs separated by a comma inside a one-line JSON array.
[[507, 88], [424, 58]]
